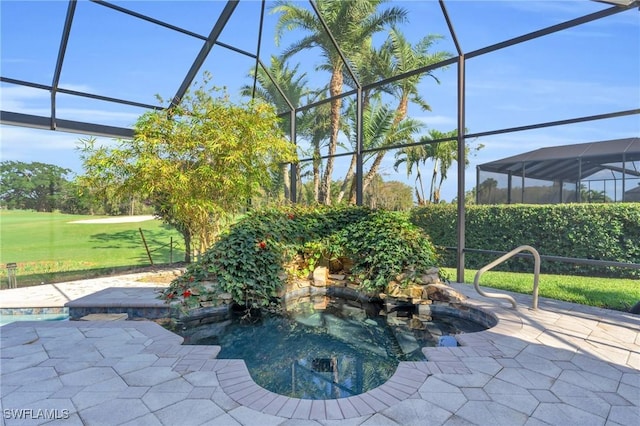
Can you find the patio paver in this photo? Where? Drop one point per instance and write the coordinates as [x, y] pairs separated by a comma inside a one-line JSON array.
[[563, 364]]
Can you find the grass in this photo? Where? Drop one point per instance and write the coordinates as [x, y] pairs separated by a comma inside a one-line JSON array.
[[47, 247], [611, 293]]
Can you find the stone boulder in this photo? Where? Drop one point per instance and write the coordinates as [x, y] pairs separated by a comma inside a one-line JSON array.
[[442, 293], [320, 276], [397, 290]]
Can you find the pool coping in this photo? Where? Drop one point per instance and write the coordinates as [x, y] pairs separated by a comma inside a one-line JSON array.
[[33, 311], [236, 381]]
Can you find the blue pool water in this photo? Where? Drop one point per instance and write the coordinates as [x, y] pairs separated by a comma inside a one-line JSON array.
[[344, 348], [7, 319]]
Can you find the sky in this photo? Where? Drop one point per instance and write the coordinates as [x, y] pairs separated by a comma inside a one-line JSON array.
[[586, 70]]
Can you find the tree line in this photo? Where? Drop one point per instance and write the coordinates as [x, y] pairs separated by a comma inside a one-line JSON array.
[[46, 187]]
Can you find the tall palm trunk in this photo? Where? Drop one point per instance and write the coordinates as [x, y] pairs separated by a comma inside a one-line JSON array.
[[421, 200], [368, 178], [401, 110], [335, 89], [401, 114], [316, 170], [348, 179], [432, 194]]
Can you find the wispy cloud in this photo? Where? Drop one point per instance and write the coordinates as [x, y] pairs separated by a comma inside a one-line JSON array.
[[15, 139], [438, 121], [546, 7], [27, 100], [114, 118], [539, 92], [15, 98], [45, 146]]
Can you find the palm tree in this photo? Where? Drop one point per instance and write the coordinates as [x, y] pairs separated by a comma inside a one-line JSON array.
[[377, 119], [412, 157], [393, 132], [379, 131], [315, 126], [352, 24], [398, 56], [442, 154], [487, 190], [294, 85], [404, 58]]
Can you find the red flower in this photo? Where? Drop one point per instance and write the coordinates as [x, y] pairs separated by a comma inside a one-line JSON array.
[[187, 293], [170, 296], [291, 216], [262, 245]]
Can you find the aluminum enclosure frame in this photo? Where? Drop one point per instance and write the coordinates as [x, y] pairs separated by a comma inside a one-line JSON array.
[[53, 123]]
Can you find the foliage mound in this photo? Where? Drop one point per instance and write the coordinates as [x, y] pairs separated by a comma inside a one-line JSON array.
[[255, 257]]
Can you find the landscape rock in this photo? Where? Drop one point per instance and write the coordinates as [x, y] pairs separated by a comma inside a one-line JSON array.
[[416, 324], [225, 297], [442, 293], [320, 276]]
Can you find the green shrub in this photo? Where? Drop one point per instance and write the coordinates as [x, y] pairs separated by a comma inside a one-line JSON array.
[[253, 259], [588, 231]]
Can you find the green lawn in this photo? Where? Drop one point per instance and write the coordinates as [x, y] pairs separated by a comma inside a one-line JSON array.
[[613, 293], [48, 248]]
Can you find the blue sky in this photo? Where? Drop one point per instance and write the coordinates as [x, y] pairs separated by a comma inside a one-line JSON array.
[[587, 70]]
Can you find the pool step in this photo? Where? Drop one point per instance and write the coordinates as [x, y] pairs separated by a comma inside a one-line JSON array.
[[105, 317], [137, 302]]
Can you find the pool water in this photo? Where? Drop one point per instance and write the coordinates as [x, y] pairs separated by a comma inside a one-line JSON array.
[[343, 349], [7, 319]]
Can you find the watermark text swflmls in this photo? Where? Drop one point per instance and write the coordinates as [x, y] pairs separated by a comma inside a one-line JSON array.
[[35, 414]]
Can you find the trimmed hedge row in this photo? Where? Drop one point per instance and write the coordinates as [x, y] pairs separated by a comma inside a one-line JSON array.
[[588, 231]]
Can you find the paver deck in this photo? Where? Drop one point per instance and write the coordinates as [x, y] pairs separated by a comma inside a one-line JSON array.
[[562, 364]]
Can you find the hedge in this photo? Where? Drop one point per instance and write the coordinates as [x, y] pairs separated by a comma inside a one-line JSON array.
[[586, 231]]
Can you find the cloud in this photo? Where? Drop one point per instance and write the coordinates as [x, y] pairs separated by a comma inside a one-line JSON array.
[[114, 118], [16, 98], [45, 146], [15, 139], [437, 120], [565, 7], [28, 100], [537, 93]]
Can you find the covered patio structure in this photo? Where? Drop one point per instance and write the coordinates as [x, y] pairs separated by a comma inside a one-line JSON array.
[[603, 171]]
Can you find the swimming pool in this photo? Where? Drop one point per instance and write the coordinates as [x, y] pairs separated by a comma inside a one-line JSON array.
[[8, 315], [327, 347]]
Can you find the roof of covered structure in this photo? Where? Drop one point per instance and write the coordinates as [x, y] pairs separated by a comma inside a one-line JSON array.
[[571, 162]]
